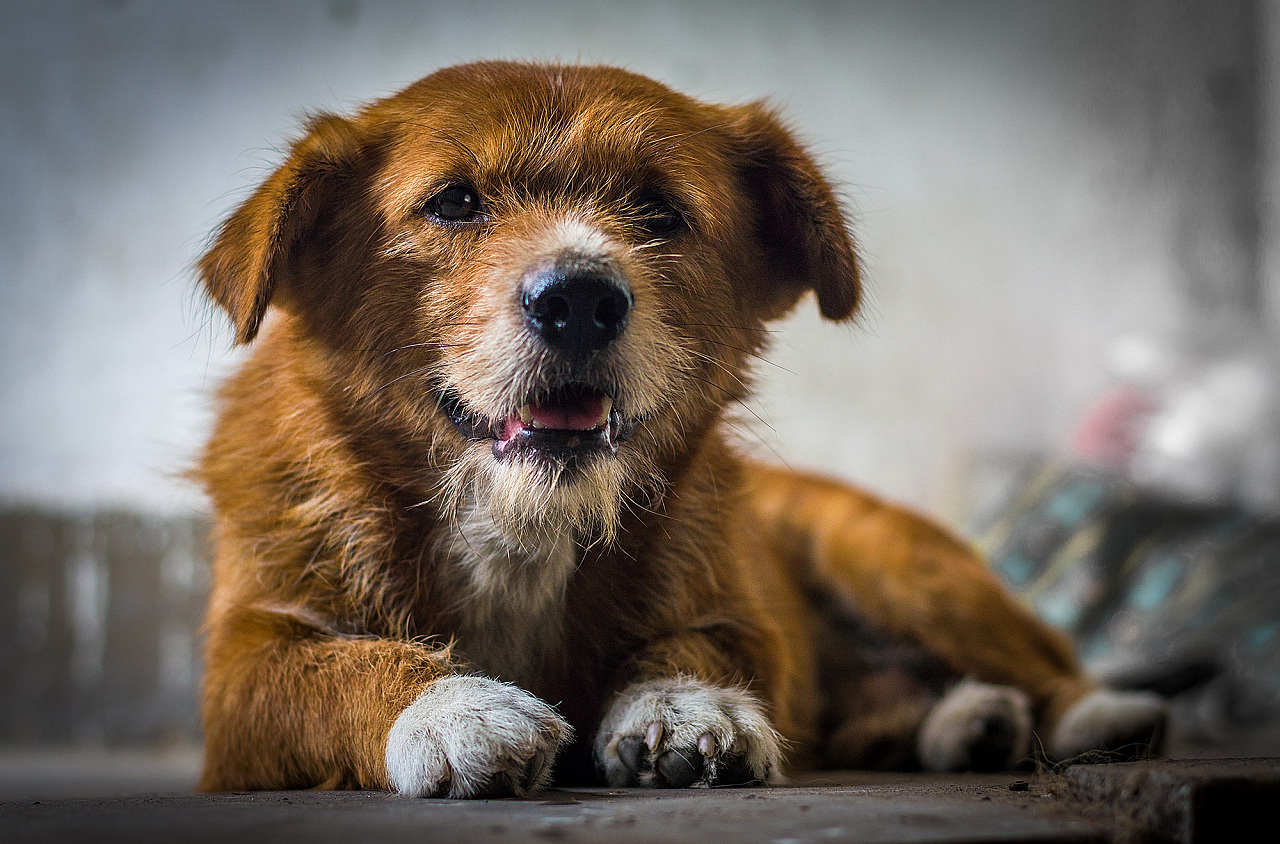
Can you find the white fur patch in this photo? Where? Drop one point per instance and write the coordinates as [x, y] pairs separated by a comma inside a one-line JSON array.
[[688, 709], [470, 736], [958, 724], [1110, 720], [573, 234], [514, 596]]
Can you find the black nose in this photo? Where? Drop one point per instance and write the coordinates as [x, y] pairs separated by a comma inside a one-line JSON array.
[[578, 312]]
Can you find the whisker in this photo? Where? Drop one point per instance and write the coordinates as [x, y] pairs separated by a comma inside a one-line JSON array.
[[384, 352], [759, 418], [747, 430], [735, 398], [418, 346], [417, 371], [755, 355], [727, 325], [721, 366]]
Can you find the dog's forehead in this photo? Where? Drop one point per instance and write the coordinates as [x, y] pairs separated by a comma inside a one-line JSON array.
[[511, 122]]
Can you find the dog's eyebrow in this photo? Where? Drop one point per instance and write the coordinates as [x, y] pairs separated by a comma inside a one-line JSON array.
[[454, 141]]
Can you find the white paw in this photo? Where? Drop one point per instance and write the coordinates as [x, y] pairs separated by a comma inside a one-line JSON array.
[[683, 732], [470, 737], [976, 727], [1119, 724]]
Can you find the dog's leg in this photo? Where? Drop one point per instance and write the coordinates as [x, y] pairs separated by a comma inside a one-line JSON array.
[[290, 711], [976, 727], [1111, 724], [913, 579]]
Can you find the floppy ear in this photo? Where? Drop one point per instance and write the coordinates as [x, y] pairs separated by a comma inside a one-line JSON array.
[[252, 249], [798, 221]]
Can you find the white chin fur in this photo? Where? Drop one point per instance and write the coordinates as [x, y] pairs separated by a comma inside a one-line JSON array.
[[532, 503], [471, 736]]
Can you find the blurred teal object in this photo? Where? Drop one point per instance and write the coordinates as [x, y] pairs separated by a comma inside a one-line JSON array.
[[1182, 599]]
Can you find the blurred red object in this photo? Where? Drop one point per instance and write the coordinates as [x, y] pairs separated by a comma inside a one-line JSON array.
[[1112, 428]]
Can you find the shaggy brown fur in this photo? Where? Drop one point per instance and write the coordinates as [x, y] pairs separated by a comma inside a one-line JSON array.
[[368, 546]]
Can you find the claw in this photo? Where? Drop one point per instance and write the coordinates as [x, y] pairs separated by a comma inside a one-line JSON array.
[[707, 745], [653, 735]]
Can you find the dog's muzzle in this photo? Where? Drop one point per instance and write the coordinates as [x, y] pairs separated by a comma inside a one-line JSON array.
[[576, 307]]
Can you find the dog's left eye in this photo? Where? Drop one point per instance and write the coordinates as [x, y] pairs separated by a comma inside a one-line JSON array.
[[659, 217], [455, 203]]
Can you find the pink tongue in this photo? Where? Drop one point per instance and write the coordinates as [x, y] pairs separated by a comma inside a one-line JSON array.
[[576, 415]]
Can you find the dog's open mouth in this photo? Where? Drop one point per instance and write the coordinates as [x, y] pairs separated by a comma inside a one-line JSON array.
[[565, 424]]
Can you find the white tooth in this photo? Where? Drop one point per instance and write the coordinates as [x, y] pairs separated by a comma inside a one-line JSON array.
[[526, 414], [606, 405]]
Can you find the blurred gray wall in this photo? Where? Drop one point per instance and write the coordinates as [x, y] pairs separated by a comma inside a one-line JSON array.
[[1028, 179]]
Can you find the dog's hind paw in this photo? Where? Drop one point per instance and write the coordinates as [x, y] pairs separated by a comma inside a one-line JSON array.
[[682, 732], [1110, 725], [976, 727], [474, 737]]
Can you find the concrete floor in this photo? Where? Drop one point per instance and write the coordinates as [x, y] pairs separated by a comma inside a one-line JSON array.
[[141, 797]]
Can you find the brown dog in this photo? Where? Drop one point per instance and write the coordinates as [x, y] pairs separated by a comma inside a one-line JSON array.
[[476, 507]]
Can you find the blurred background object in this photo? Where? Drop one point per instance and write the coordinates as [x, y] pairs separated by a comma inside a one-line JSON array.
[[1068, 214], [98, 639]]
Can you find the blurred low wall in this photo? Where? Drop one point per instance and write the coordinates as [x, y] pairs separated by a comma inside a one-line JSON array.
[[99, 627]]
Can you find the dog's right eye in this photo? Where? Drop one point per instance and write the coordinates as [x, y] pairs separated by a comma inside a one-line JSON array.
[[454, 204]]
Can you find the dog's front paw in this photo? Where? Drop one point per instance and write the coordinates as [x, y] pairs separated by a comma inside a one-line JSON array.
[[976, 727], [682, 732], [1110, 725], [474, 737]]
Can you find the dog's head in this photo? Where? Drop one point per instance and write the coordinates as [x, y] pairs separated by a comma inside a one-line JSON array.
[[543, 283]]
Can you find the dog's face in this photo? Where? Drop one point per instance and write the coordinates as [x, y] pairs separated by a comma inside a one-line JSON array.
[[543, 283]]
